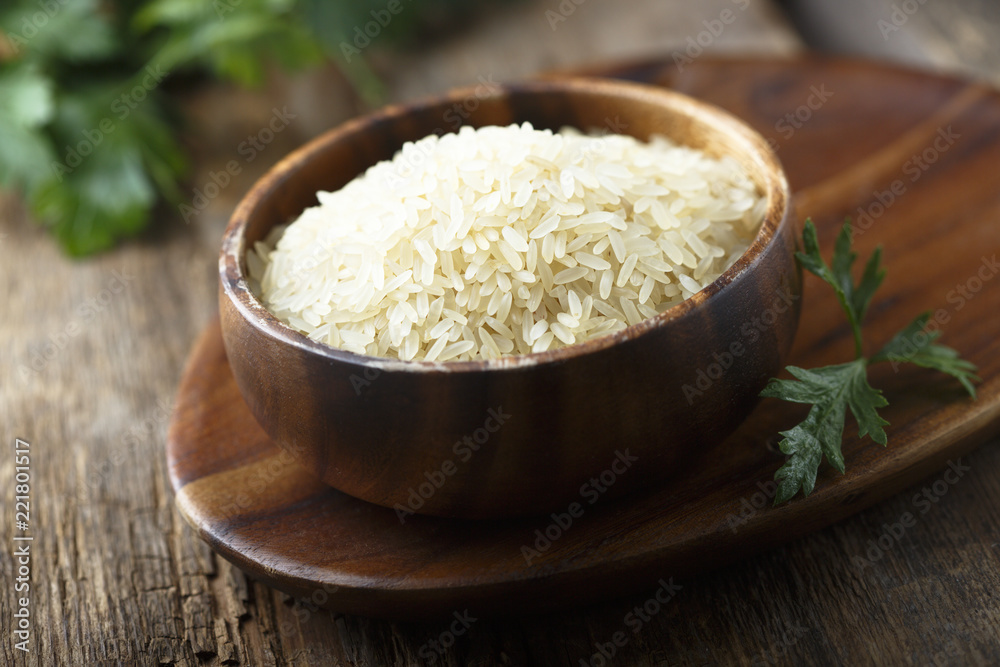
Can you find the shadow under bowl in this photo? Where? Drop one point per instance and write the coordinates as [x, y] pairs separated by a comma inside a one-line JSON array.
[[528, 433]]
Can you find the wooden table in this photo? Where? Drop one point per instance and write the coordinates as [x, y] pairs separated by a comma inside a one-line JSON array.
[[93, 352]]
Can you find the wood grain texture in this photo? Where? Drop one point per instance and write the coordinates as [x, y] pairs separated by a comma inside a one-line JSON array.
[[124, 581]]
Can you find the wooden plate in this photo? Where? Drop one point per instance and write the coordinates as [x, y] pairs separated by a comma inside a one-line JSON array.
[[911, 156]]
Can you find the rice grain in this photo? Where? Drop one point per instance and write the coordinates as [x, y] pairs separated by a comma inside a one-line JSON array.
[[506, 240]]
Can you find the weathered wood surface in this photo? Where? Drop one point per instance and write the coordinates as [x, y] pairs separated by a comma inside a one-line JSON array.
[[118, 578]]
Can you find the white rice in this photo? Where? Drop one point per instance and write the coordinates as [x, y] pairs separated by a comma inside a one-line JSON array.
[[506, 240]]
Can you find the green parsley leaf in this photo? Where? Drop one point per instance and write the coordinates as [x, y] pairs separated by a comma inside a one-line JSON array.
[[853, 299], [915, 345], [234, 40], [26, 104], [25, 156], [91, 157], [67, 68], [25, 97], [93, 198], [72, 31], [831, 390]]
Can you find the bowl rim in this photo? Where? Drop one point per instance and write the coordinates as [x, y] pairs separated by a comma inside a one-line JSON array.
[[750, 143]]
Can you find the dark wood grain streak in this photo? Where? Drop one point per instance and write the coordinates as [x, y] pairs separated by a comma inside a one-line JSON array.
[[936, 236]]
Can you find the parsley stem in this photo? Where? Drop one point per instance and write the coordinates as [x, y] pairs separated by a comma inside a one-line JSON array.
[[858, 351], [833, 390]]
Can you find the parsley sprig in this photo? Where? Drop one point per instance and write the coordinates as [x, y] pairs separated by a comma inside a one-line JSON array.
[[831, 390], [89, 130]]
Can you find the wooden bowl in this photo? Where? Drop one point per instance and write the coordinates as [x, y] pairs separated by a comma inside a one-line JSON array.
[[553, 431]]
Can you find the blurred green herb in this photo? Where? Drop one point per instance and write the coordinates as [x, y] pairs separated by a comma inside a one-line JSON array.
[[87, 133], [831, 390]]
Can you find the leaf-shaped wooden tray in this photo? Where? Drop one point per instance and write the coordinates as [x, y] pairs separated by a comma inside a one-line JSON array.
[[912, 157]]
